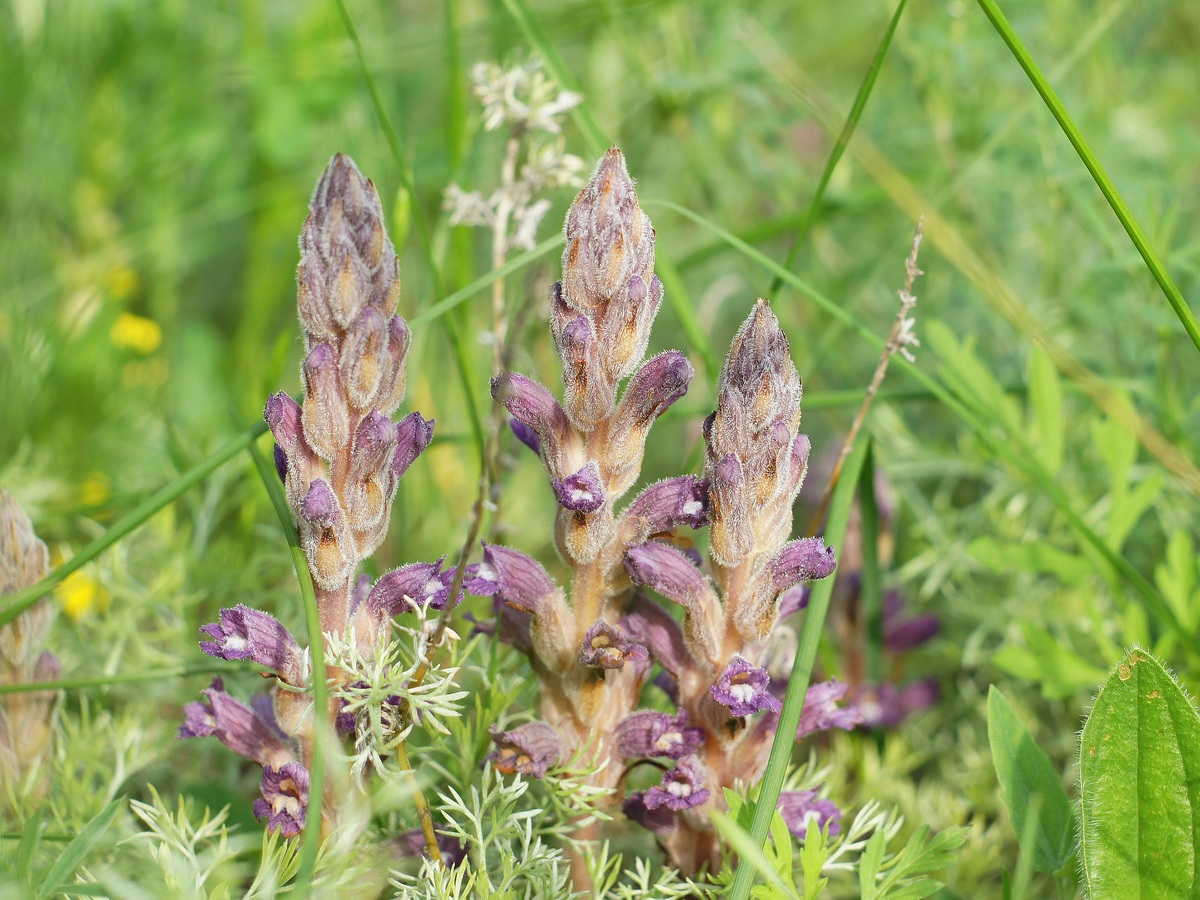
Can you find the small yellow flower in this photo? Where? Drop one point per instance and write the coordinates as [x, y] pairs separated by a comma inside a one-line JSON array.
[[94, 489], [80, 593], [136, 333]]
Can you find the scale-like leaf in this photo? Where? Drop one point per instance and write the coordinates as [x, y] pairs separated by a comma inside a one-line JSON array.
[[1139, 770]]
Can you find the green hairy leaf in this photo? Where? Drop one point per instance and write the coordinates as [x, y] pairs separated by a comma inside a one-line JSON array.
[[1139, 773], [1032, 789]]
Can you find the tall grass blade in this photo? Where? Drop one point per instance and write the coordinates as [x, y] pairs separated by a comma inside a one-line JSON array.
[[59, 878], [871, 585], [1107, 188]]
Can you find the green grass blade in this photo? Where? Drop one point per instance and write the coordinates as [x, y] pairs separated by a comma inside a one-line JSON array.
[[64, 867], [685, 312], [457, 344], [750, 854], [78, 684], [871, 590], [19, 601], [793, 703], [316, 643], [839, 146], [1146, 593], [1107, 188]]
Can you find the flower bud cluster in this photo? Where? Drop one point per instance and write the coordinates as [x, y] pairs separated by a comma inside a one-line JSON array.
[[591, 445], [26, 719], [340, 456]]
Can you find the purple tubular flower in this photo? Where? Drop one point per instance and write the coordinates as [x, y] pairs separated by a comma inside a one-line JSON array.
[[283, 417], [247, 732], [413, 434], [416, 583], [374, 440], [526, 435], [671, 503], [605, 647], [798, 808], [681, 788], [742, 688], [647, 734], [529, 750], [531, 404], [519, 580], [281, 462], [660, 820], [245, 633], [581, 492], [807, 559], [885, 706], [658, 383], [284, 803], [906, 634], [325, 415], [821, 711], [665, 569], [793, 600]]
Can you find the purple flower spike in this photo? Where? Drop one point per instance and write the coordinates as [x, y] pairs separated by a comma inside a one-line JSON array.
[[247, 732], [605, 647], [673, 502], [245, 633], [519, 580], [582, 492], [413, 434], [647, 734], [807, 559], [660, 820], [529, 750], [284, 803], [798, 808], [743, 689], [416, 582], [821, 711], [682, 788], [526, 435]]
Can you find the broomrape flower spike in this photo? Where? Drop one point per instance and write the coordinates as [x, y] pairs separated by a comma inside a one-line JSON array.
[[340, 455]]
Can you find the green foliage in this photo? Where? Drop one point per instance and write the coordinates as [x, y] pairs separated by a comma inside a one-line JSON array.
[[1032, 789], [1139, 773]]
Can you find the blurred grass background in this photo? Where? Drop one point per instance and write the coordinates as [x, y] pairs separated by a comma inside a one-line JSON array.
[[155, 165]]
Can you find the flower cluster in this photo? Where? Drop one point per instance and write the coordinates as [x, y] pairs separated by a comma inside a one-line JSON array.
[[592, 654], [26, 719], [340, 456]]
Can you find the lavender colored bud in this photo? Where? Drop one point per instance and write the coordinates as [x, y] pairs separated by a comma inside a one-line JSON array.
[[281, 463], [658, 383], [758, 372], [660, 820], [311, 293], [582, 491], [807, 559], [326, 417], [531, 404], [731, 537], [742, 688], [245, 731], [798, 808], [681, 788], [668, 571], [283, 417], [606, 647], [374, 440], [415, 583], [652, 626], [47, 668], [525, 435], [821, 711], [670, 503], [413, 435], [647, 734], [394, 379], [284, 803], [360, 592], [529, 750], [364, 355], [320, 505], [519, 580], [245, 633], [637, 290]]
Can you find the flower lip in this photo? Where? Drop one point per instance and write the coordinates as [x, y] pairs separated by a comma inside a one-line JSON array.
[[583, 491], [742, 688], [284, 803], [529, 750], [606, 647], [681, 788]]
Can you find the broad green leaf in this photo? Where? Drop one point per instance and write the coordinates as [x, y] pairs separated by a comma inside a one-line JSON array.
[[1045, 402], [62, 873], [1031, 788], [1139, 772]]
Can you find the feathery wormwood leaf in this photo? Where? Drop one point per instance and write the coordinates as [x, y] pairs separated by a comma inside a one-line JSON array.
[[640, 882], [62, 873], [1032, 790], [187, 853], [1139, 773]]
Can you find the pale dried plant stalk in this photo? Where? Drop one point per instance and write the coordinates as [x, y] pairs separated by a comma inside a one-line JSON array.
[[26, 718]]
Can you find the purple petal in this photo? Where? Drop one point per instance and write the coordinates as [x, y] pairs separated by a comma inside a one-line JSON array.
[[798, 808], [320, 505], [518, 579], [673, 502], [668, 571], [903, 635], [807, 559], [681, 788], [531, 404], [821, 711], [605, 647], [793, 600], [742, 688], [656, 385], [661, 820], [526, 435], [414, 583], [243, 730], [529, 750], [284, 803], [413, 434], [583, 491], [245, 633], [648, 734]]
